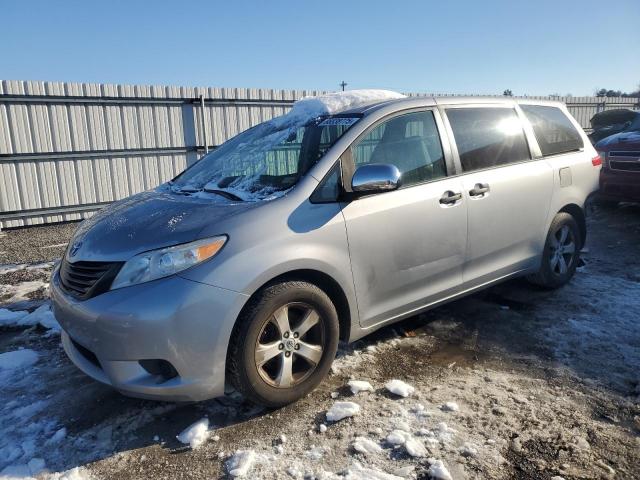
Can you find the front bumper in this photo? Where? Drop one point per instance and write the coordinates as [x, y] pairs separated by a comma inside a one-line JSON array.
[[183, 322]]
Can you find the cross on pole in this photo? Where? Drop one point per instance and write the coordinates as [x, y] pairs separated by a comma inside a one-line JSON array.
[[343, 84]]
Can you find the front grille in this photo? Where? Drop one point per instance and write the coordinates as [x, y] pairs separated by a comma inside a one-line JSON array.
[[84, 280], [622, 154], [625, 166]]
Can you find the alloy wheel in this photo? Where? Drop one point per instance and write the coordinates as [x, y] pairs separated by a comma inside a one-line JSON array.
[[563, 250], [290, 345]]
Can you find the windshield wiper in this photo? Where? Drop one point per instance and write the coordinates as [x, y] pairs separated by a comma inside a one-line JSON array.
[[224, 193]]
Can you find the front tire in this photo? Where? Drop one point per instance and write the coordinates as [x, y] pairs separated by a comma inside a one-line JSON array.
[[561, 253], [283, 344]]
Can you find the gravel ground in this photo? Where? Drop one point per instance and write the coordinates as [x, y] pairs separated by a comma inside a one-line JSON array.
[[35, 244], [513, 382]]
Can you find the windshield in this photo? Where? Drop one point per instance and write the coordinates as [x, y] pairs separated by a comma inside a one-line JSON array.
[[266, 160], [634, 126]]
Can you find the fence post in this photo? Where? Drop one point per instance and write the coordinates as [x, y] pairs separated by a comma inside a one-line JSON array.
[[189, 133], [205, 130]]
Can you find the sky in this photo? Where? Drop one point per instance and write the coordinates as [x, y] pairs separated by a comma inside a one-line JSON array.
[[536, 47]]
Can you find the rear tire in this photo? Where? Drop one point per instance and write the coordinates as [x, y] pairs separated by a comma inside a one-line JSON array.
[[561, 254], [283, 343]]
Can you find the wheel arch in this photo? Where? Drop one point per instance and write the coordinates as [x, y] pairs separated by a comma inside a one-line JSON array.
[[578, 213], [323, 281]]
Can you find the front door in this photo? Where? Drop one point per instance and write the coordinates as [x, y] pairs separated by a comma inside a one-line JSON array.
[[407, 246]]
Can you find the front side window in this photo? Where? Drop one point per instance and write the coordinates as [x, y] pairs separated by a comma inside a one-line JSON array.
[[410, 142], [266, 159], [554, 131], [488, 137]]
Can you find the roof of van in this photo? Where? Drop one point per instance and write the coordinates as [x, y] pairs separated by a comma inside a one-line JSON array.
[[417, 101]]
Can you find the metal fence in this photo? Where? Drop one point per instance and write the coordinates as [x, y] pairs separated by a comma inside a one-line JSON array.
[[67, 149]]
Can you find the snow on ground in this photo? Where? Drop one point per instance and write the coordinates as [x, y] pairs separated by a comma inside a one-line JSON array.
[[399, 388], [18, 359], [366, 445], [241, 463], [546, 388], [12, 267], [22, 318], [341, 410], [450, 407], [357, 386], [195, 434], [9, 317], [600, 347], [358, 472], [439, 471], [21, 291]]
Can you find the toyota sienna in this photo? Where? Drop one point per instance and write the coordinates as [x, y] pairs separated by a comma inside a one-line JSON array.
[[352, 211]]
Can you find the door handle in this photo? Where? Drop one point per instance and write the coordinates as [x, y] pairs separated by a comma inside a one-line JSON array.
[[479, 189], [449, 197]]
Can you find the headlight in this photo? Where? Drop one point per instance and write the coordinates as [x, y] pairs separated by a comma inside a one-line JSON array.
[[160, 263], [603, 155]]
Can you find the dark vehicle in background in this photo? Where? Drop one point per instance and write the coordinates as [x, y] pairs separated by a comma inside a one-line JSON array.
[[610, 122], [620, 174]]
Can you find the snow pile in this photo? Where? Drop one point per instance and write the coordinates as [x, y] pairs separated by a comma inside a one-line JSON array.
[[366, 445], [21, 291], [331, 103], [398, 437], [57, 437], [442, 433], [358, 386], [340, 410], [315, 453], [468, 450], [9, 317], [358, 472], [42, 315], [450, 407], [399, 388], [241, 463], [27, 470], [414, 447], [16, 267], [196, 434], [77, 473], [18, 359], [438, 470]]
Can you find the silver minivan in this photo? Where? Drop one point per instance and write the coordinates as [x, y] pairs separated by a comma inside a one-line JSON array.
[[353, 211]]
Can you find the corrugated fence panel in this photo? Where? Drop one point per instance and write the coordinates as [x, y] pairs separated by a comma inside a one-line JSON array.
[[67, 149]]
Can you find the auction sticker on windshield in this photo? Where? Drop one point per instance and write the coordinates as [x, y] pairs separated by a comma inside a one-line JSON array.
[[339, 121]]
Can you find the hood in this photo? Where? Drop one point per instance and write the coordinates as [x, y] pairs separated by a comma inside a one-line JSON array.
[[148, 221], [623, 140]]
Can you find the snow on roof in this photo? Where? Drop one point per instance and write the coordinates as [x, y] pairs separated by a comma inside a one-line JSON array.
[[332, 103]]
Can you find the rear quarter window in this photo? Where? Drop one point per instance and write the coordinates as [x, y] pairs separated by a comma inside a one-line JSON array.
[[554, 131]]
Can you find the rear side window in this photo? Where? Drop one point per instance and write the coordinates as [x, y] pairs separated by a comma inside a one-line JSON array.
[[410, 142], [554, 131], [488, 137]]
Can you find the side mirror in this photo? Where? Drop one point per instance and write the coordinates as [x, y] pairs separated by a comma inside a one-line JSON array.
[[375, 177]]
